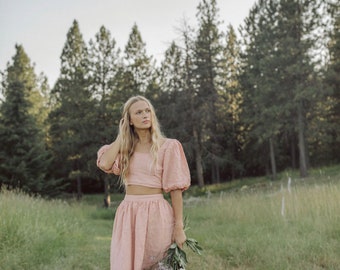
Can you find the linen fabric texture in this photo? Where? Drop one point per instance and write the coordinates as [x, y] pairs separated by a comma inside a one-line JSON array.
[[171, 171], [143, 225]]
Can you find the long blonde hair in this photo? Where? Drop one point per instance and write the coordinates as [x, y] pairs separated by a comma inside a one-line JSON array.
[[129, 138]]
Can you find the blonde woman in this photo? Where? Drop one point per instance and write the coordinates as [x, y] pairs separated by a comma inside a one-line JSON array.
[[148, 164]]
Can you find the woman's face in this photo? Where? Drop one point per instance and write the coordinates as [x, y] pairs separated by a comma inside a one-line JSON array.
[[140, 115]]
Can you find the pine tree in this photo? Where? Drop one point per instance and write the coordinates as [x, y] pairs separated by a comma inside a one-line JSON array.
[[138, 65], [24, 159], [208, 51], [172, 85], [279, 75], [298, 23], [231, 100], [260, 77], [104, 66], [72, 117], [194, 147], [104, 63], [332, 81], [41, 103]]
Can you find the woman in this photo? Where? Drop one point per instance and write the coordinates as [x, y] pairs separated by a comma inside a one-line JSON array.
[[148, 164]]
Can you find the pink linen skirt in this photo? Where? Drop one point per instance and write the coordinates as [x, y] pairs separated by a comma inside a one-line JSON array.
[[142, 232]]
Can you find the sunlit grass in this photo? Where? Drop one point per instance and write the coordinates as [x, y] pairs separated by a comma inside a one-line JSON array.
[[39, 234], [250, 230], [246, 224]]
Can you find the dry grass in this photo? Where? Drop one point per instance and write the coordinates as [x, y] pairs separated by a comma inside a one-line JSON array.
[[241, 226], [250, 230]]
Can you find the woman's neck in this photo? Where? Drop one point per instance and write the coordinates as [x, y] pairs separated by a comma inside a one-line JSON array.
[[144, 137]]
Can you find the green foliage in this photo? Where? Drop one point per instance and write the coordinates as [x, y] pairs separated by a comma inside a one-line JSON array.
[[72, 118], [279, 76], [332, 83], [137, 64], [251, 106], [176, 257], [23, 155], [104, 88], [172, 97], [207, 52]]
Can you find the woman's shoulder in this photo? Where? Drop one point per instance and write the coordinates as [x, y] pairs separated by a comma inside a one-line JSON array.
[[167, 143]]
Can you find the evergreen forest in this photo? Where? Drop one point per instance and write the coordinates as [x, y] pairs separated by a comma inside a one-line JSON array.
[[251, 101]]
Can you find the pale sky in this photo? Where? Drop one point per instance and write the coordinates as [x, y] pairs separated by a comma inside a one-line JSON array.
[[41, 26]]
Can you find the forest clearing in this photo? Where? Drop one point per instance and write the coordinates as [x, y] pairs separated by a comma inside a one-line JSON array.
[[247, 224]]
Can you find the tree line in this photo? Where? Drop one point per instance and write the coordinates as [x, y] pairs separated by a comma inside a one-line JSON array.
[[242, 105]]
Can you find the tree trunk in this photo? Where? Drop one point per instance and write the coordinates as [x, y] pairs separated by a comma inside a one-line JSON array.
[[232, 172], [293, 152], [302, 143], [272, 158], [198, 160], [79, 193], [218, 175], [107, 198], [215, 172]]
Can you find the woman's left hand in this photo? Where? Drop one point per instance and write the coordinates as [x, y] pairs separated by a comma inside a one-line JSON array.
[[179, 236]]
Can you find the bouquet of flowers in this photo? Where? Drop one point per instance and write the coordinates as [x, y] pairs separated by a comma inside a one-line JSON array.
[[176, 258]]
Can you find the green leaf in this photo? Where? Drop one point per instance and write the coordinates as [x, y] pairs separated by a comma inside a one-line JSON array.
[[177, 258]]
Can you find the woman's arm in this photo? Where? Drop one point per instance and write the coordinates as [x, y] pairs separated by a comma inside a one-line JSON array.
[[177, 204], [110, 155]]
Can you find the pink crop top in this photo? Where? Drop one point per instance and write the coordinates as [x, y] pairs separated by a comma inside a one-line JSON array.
[[171, 171]]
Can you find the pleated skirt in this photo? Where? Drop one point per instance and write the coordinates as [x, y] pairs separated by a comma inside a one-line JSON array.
[[142, 232]]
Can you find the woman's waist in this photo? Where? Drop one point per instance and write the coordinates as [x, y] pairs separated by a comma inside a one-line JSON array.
[[142, 190]]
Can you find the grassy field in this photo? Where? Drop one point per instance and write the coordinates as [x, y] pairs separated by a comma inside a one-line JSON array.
[[246, 224]]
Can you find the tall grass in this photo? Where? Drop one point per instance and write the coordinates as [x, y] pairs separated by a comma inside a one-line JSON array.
[[40, 234], [242, 225], [249, 230]]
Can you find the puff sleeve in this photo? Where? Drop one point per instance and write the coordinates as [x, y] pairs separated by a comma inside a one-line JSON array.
[[176, 174], [115, 167]]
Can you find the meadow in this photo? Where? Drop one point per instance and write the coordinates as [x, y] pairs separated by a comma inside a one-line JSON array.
[[251, 223]]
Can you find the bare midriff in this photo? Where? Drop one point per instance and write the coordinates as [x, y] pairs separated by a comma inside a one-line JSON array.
[[141, 190]]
